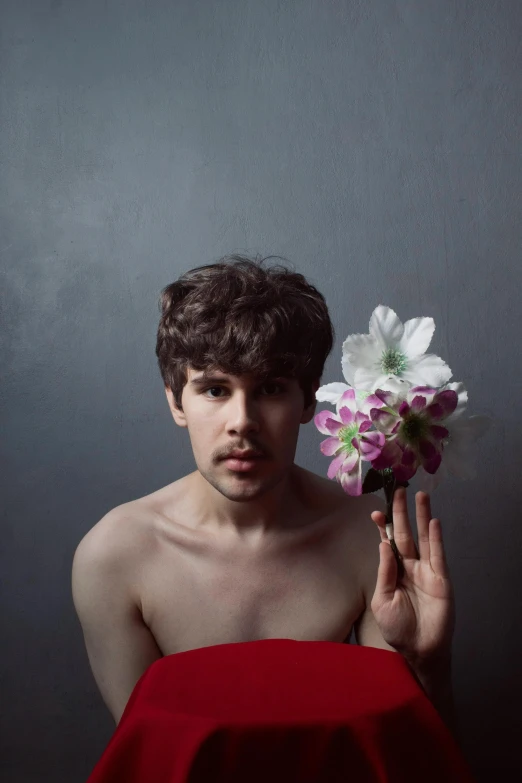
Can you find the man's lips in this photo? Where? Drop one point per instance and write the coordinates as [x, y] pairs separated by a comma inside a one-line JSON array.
[[246, 455], [242, 465]]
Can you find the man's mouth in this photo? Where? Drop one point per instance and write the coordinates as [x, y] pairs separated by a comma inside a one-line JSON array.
[[243, 464]]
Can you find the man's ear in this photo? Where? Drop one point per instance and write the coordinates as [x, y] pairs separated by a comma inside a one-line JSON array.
[[177, 413], [309, 412]]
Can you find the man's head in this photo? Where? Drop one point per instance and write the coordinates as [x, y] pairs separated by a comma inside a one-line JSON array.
[[266, 334]]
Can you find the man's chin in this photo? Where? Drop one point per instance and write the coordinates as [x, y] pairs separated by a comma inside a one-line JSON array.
[[241, 486]]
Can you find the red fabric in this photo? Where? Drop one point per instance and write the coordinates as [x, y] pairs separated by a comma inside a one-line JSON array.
[[280, 710]]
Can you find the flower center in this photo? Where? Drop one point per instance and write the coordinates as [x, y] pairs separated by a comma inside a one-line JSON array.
[[345, 436], [393, 362], [414, 428]]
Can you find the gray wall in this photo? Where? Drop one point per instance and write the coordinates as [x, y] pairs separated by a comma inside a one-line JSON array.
[[374, 144]]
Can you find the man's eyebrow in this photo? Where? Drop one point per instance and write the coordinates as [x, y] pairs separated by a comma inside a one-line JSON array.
[[203, 379]]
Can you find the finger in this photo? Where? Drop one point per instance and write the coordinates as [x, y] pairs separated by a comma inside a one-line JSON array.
[[423, 511], [380, 520], [402, 531], [387, 573], [438, 560]]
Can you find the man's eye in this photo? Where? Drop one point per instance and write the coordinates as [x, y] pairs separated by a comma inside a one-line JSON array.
[[268, 383], [211, 388], [274, 383]]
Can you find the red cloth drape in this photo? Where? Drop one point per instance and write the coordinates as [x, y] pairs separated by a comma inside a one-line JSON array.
[[280, 710]]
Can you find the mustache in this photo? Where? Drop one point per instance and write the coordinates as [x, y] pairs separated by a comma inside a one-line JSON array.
[[257, 451]]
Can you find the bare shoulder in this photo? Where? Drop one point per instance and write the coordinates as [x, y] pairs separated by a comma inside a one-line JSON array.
[[118, 542], [132, 523], [120, 526]]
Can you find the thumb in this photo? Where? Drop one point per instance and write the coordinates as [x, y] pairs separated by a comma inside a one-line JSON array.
[[387, 573]]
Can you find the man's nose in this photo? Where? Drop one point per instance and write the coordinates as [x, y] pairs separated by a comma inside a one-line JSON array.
[[243, 413]]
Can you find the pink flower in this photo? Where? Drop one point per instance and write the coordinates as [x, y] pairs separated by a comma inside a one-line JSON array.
[[404, 392], [414, 436], [349, 439]]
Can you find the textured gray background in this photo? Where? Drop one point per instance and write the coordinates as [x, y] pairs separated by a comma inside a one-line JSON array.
[[374, 144]]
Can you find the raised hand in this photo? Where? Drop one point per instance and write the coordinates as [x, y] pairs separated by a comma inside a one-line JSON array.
[[415, 612]]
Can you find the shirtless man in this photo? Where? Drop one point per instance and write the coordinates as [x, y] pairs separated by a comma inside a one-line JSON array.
[[233, 552]]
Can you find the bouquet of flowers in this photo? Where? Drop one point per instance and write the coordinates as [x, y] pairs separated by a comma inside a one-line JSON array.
[[396, 412]]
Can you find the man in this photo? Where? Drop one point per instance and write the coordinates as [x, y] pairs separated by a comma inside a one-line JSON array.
[[250, 545]]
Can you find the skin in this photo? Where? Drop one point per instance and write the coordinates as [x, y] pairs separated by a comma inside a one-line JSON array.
[[415, 614], [276, 552], [239, 414]]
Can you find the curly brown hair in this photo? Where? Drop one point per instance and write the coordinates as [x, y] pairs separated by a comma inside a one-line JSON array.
[[238, 317]]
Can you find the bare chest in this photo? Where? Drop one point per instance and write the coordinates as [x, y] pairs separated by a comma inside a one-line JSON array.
[[197, 596]]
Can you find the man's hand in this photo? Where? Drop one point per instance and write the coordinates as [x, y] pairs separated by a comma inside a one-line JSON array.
[[415, 614]]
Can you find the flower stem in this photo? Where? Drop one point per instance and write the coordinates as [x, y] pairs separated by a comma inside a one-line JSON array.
[[390, 486]]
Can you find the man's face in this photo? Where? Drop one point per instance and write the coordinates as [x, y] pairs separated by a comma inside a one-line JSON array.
[[228, 412]]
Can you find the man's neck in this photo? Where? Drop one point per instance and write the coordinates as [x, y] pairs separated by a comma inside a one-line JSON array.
[[249, 520]]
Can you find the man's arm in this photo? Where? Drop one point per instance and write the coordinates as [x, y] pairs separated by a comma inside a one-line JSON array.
[[120, 647], [434, 678]]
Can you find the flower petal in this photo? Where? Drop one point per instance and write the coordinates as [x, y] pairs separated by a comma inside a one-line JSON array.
[[330, 446], [351, 482], [408, 457], [331, 392], [438, 432], [350, 462], [428, 482], [432, 465], [430, 456], [460, 451], [404, 473], [348, 370], [459, 463], [447, 400], [347, 416], [397, 385], [418, 403], [427, 391], [369, 377], [327, 422], [390, 454], [348, 400], [417, 336], [427, 449], [366, 425], [427, 369], [362, 350], [335, 465], [371, 445], [471, 428], [462, 395], [371, 401], [386, 328], [362, 419], [383, 421], [389, 398], [404, 409]]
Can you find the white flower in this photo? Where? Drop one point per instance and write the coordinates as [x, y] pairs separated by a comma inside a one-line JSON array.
[[381, 369], [393, 355]]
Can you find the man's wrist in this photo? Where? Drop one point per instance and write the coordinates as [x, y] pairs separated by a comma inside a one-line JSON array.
[[435, 677], [434, 674], [436, 667]]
